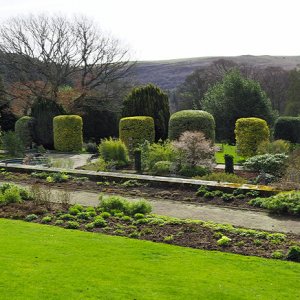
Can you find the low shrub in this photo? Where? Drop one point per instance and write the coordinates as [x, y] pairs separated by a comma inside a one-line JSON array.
[[67, 217], [293, 254], [114, 150], [100, 222], [227, 197], [188, 171], [72, 225], [277, 254], [91, 147], [46, 219], [273, 164], [161, 168], [282, 203], [31, 217], [89, 226], [224, 241], [278, 146], [105, 215], [11, 195], [141, 206]]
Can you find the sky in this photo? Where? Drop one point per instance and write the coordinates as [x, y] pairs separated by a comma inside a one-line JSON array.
[[172, 29]]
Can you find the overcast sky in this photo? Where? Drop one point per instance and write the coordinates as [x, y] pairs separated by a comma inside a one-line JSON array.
[[169, 29]]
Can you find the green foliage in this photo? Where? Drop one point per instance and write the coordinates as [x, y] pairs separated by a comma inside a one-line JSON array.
[[282, 203], [67, 217], [229, 167], [293, 254], [24, 128], [233, 98], [67, 131], [134, 131], [149, 101], [72, 225], [161, 168], [10, 194], [100, 222], [292, 107], [112, 150], [277, 254], [31, 217], [46, 219], [223, 177], [191, 120], [278, 146], [105, 215], [193, 171], [138, 160], [153, 153], [44, 111], [12, 143], [287, 128], [250, 133], [140, 206], [224, 241], [273, 164], [91, 147]]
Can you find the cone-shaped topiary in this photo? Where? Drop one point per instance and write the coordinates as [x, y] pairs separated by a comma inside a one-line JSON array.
[[192, 120], [135, 130], [250, 133], [67, 131], [24, 128]]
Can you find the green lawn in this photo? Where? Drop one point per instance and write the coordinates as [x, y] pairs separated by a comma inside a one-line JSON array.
[[45, 262], [227, 149]]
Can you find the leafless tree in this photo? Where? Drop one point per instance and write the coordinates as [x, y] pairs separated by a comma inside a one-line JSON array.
[[54, 51]]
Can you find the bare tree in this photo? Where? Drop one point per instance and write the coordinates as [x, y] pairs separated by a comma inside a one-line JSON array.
[[56, 51]]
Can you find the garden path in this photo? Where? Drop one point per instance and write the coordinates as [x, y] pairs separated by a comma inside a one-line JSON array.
[[178, 209]]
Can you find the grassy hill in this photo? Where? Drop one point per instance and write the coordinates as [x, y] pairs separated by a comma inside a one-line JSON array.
[[168, 74]]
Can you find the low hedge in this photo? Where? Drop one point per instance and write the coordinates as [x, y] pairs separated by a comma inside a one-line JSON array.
[[287, 128], [192, 120], [67, 130], [135, 130], [24, 128]]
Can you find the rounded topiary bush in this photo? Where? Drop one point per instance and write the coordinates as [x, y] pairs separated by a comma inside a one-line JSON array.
[[135, 130], [249, 134], [192, 120], [287, 128], [67, 130], [24, 128]]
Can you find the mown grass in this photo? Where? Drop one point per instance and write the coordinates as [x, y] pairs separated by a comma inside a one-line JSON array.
[[227, 149], [45, 262]]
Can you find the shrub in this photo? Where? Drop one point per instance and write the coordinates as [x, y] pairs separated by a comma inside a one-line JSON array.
[[223, 177], [278, 146], [31, 217], [229, 163], [282, 203], [133, 131], [191, 120], [12, 143], [72, 225], [114, 203], [287, 128], [293, 254], [100, 222], [24, 128], [91, 147], [224, 241], [12, 195], [67, 217], [250, 133], [46, 219], [188, 171], [89, 226], [277, 254], [105, 215], [273, 164], [112, 150], [195, 149], [141, 207], [149, 101], [138, 160], [161, 168], [67, 131]]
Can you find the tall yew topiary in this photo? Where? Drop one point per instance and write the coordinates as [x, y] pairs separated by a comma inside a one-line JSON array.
[[150, 101], [67, 131], [133, 131], [192, 120], [287, 128], [250, 133], [44, 111], [24, 128]]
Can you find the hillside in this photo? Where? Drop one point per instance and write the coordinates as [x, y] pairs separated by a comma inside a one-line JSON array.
[[168, 74]]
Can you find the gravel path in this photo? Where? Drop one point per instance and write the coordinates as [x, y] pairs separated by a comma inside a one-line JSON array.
[[243, 218]]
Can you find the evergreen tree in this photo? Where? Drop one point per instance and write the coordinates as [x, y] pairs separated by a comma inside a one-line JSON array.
[[149, 101], [293, 96]]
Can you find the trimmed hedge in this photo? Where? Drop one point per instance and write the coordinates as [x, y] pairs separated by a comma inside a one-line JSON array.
[[24, 128], [192, 120], [135, 130], [287, 128], [249, 134], [67, 130]]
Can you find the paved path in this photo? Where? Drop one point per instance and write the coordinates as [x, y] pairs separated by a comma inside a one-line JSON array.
[[243, 218]]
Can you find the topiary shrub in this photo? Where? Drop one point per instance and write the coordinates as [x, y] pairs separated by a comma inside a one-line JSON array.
[[67, 130], [192, 120], [133, 131], [24, 128], [287, 128], [249, 134]]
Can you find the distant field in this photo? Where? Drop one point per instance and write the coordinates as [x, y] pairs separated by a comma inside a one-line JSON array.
[[227, 149], [45, 262]]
